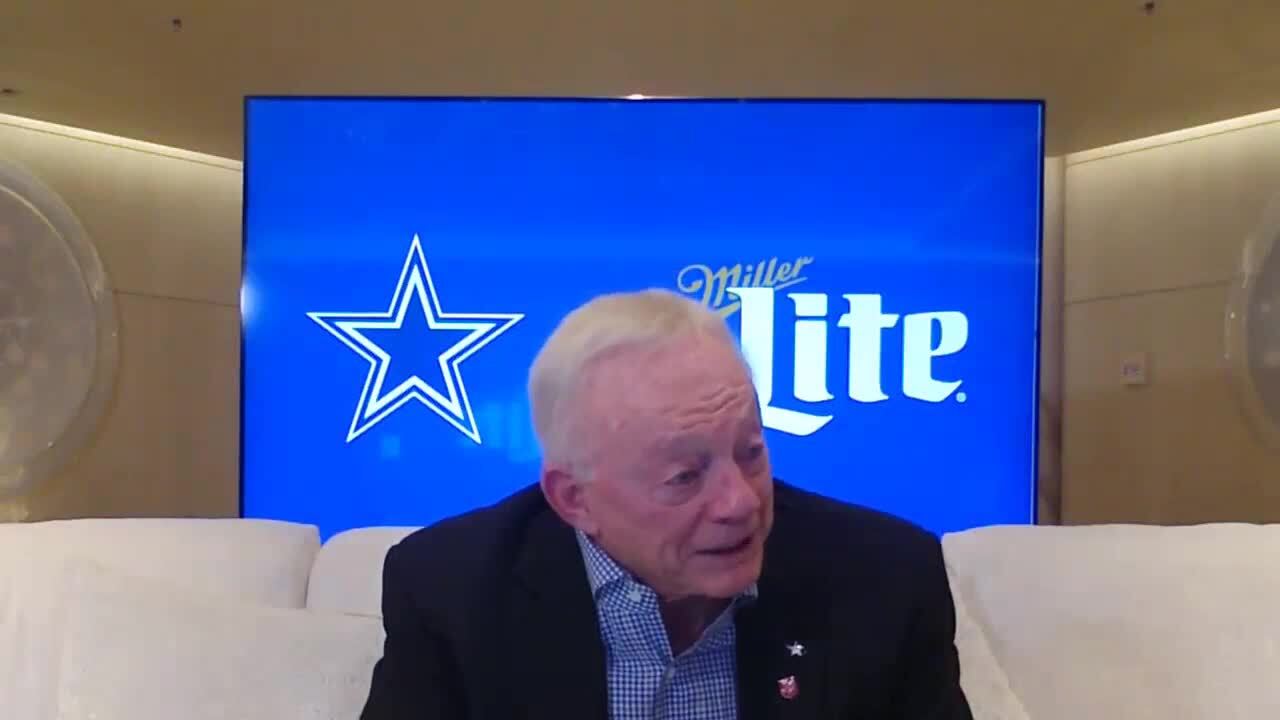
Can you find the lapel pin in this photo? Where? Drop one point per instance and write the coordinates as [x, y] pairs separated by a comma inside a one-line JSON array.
[[796, 649], [788, 688]]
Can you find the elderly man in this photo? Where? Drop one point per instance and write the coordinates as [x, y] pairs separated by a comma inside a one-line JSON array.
[[658, 570]]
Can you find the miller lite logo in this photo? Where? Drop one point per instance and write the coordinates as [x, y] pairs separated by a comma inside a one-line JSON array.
[[752, 290]]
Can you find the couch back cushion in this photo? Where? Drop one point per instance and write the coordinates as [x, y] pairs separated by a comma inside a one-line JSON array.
[[1128, 621], [146, 650], [347, 575], [257, 562], [983, 679]]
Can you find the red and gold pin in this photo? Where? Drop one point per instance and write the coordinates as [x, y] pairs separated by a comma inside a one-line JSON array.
[[788, 688]]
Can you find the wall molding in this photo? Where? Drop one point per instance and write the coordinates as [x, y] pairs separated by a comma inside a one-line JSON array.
[[1175, 137], [116, 141]]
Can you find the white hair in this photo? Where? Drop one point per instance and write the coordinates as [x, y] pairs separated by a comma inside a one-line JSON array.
[[603, 325]]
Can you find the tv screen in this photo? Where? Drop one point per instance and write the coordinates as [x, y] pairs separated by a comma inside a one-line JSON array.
[[405, 258]]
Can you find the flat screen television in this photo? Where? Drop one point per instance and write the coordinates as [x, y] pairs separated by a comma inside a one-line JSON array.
[[404, 259]]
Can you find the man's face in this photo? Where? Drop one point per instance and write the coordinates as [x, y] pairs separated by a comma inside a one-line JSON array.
[[680, 492]]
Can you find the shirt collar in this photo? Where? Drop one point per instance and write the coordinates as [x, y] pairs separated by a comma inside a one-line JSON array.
[[603, 571]]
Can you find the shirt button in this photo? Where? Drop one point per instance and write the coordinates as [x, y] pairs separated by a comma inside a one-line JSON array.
[[634, 595]]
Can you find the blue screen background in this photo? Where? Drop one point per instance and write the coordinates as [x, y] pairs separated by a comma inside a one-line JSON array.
[[532, 207]]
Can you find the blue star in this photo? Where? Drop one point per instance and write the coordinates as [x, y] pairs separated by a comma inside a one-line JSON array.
[[376, 402]]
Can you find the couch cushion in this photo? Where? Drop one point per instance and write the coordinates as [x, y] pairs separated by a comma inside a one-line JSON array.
[[1129, 621], [347, 574], [983, 679], [142, 650], [258, 562]]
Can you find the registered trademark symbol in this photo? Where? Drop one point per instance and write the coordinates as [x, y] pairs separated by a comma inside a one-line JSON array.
[[962, 397]]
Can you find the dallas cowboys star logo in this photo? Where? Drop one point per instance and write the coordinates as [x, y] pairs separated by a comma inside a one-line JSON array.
[[376, 402]]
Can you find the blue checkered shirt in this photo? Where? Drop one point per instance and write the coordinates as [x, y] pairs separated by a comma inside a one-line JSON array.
[[645, 681]]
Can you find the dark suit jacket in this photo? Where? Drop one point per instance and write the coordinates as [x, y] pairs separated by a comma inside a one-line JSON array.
[[489, 617]]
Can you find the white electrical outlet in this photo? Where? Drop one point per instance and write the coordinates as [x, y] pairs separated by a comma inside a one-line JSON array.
[[1133, 370]]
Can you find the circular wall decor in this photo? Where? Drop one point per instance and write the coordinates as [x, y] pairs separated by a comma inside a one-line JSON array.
[[58, 333], [1253, 327]]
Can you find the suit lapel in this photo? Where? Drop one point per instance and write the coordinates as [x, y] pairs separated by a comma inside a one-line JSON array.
[[557, 664], [782, 648]]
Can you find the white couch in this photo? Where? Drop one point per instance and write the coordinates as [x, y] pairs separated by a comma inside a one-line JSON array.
[[242, 619]]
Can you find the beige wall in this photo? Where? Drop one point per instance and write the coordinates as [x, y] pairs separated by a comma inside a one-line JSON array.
[[1154, 232], [167, 225]]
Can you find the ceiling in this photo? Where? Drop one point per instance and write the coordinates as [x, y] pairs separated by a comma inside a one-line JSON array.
[[1109, 70]]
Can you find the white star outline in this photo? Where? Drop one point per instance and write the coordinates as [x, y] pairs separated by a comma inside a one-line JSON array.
[[415, 281]]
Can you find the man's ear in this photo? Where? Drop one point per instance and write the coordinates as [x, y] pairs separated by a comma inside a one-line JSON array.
[[567, 496]]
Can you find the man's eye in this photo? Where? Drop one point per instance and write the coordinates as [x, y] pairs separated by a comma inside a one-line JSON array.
[[684, 478], [753, 453]]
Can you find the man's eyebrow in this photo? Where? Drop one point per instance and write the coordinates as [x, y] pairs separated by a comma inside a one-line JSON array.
[[756, 413], [753, 421], [679, 443]]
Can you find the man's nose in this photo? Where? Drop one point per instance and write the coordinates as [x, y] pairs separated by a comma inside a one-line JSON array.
[[736, 498]]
